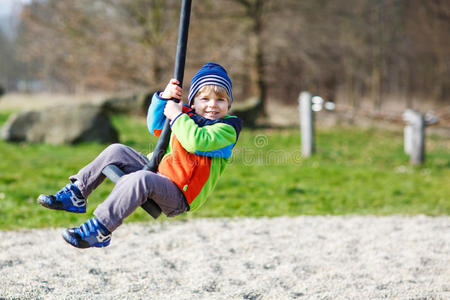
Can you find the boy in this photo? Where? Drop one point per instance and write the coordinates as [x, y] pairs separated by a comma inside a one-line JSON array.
[[203, 136]]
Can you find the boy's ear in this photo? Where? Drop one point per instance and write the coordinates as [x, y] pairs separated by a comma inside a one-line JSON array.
[[229, 103]]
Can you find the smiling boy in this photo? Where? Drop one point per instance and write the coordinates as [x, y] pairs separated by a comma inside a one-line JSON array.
[[203, 134], [201, 143]]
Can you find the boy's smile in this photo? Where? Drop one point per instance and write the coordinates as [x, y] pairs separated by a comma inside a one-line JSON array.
[[210, 106]]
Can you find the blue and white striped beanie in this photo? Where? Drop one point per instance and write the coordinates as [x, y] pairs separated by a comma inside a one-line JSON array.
[[210, 73]]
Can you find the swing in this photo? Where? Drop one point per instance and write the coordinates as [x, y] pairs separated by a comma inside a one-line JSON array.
[[112, 171]]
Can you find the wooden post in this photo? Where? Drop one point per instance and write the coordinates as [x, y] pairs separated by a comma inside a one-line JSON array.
[[407, 139], [414, 136], [418, 141], [306, 123]]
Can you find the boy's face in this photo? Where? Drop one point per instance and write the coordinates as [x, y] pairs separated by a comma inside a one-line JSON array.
[[209, 105]]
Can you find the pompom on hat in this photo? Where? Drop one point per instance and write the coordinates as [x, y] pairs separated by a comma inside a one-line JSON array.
[[210, 73]]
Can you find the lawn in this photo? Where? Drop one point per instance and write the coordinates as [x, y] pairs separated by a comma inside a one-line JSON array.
[[354, 171]]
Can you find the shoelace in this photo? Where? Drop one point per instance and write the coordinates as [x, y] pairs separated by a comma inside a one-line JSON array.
[[90, 228], [65, 190]]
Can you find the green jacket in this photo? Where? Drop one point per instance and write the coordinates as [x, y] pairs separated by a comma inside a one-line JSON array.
[[198, 151]]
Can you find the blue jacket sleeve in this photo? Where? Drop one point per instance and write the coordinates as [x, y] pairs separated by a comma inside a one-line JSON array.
[[155, 114]]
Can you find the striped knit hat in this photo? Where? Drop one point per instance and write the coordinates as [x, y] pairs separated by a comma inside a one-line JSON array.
[[210, 73]]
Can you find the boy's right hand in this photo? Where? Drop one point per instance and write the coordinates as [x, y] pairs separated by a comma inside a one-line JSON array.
[[173, 90]]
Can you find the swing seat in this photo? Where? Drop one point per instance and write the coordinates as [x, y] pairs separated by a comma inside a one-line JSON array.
[[114, 173]]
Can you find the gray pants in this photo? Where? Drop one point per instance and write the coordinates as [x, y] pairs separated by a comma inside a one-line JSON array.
[[132, 189]]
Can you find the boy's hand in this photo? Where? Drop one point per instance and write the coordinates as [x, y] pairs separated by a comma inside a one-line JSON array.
[[173, 109], [173, 90]]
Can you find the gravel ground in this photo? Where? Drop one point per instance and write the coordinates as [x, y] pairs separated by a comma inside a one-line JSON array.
[[349, 257]]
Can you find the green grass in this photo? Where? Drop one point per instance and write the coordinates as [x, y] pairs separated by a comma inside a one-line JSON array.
[[354, 171]]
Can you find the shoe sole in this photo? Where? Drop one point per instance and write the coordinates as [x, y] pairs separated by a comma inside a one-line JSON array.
[[80, 244], [77, 210], [71, 240]]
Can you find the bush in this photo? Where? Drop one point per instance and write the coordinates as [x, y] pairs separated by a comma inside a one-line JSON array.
[[2, 90]]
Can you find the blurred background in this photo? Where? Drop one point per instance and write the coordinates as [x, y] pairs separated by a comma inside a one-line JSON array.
[[371, 58], [366, 61]]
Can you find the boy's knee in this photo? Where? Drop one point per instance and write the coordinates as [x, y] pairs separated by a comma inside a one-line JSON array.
[[141, 180], [144, 175], [115, 148], [145, 179], [139, 176]]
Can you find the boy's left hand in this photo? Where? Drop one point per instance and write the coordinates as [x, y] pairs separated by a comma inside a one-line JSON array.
[[173, 109]]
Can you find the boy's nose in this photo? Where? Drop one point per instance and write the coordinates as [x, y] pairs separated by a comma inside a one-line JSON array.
[[212, 102]]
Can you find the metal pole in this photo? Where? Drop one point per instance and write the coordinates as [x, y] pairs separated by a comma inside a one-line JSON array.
[[161, 146], [112, 171], [183, 30]]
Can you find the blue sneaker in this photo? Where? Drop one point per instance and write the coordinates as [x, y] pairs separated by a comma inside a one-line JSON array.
[[69, 199], [91, 233]]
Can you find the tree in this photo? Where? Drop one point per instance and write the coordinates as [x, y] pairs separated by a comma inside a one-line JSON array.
[[349, 51], [11, 70], [254, 13], [79, 48]]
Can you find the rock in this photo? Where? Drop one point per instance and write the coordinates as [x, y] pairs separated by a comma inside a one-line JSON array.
[[247, 110], [62, 124], [128, 103]]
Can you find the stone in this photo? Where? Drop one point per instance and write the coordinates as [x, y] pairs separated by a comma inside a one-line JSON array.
[[62, 124], [134, 104]]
